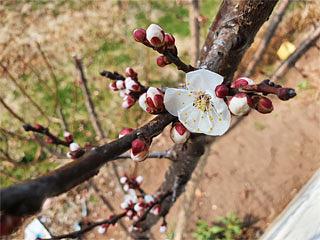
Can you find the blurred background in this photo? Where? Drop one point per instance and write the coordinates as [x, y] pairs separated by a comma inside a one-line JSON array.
[[250, 174]]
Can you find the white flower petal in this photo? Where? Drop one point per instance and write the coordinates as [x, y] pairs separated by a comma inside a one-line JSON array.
[[176, 99], [219, 120], [202, 80], [189, 117]]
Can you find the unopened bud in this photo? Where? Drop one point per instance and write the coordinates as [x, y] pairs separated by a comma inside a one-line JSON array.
[[155, 35], [178, 133], [132, 85], [139, 179], [139, 150], [128, 101], [169, 40], [286, 93], [148, 199], [113, 86], [143, 101], [138, 207], [120, 84], [74, 147], [38, 126], [156, 209], [68, 137], [221, 91], [241, 82], [139, 35], [264, 105], [131, 73], [239, 104], [162, 61], [154, 100], [123, 180], [101, 229], [163, 228], [125, 131]]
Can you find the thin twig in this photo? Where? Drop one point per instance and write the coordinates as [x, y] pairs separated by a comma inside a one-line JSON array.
[[88, 100], [76, 234], [274, 23], [305, 45], [13, 113]]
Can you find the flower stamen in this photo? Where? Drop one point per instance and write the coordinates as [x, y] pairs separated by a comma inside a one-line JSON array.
[[202, 101]]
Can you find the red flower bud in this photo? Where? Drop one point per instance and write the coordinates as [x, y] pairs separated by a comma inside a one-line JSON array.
[[139, 150], [113, 86], [139, 35], [38, 126], [264, 105], [132, 85], [179, 133], [125, 131], [128, 101], [286, 93], [68, 137], [155, 35], [162, 61], [154, 100], [169, 40], [131, 73], [221, 91], [241, 82]]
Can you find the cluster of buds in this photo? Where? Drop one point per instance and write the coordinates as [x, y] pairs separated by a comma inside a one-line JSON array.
[[127, 87], [68, 137], [243, 95], [136, 205], [178, 133], [152, 101], [156, 38]]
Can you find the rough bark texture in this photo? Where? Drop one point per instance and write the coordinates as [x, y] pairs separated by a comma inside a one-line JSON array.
[[229, 37]]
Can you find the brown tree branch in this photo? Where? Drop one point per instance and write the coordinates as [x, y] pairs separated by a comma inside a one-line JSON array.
[[273, 25], [305, 45], [26, 198], [88, 100]]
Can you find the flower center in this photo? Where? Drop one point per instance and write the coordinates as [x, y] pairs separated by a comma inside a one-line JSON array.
[[202, 101]]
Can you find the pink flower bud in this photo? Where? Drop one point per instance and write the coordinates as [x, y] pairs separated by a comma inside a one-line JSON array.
[[126, 187], [139, 150], [163, 228], [241, 82], [162, 61], [221, 91], [123, 180], [38, 126], [132, 85], [74, 147], [138, 207], [143, 101], [113, 86], [131, 73], [120, 84], [125, 131], [239, 104], [139, 35], [178, 133], [139, 179], [128, 101], [264, 105], [155, 35], [156, 209], [68, 137], [169, 40], [101, 229], [154, 100], [129, 213]]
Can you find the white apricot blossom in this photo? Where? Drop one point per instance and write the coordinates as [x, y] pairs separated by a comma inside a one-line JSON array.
[[197, 107]]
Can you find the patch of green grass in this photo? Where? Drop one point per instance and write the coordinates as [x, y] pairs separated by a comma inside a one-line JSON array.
[[303, 85], [225, 228]]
